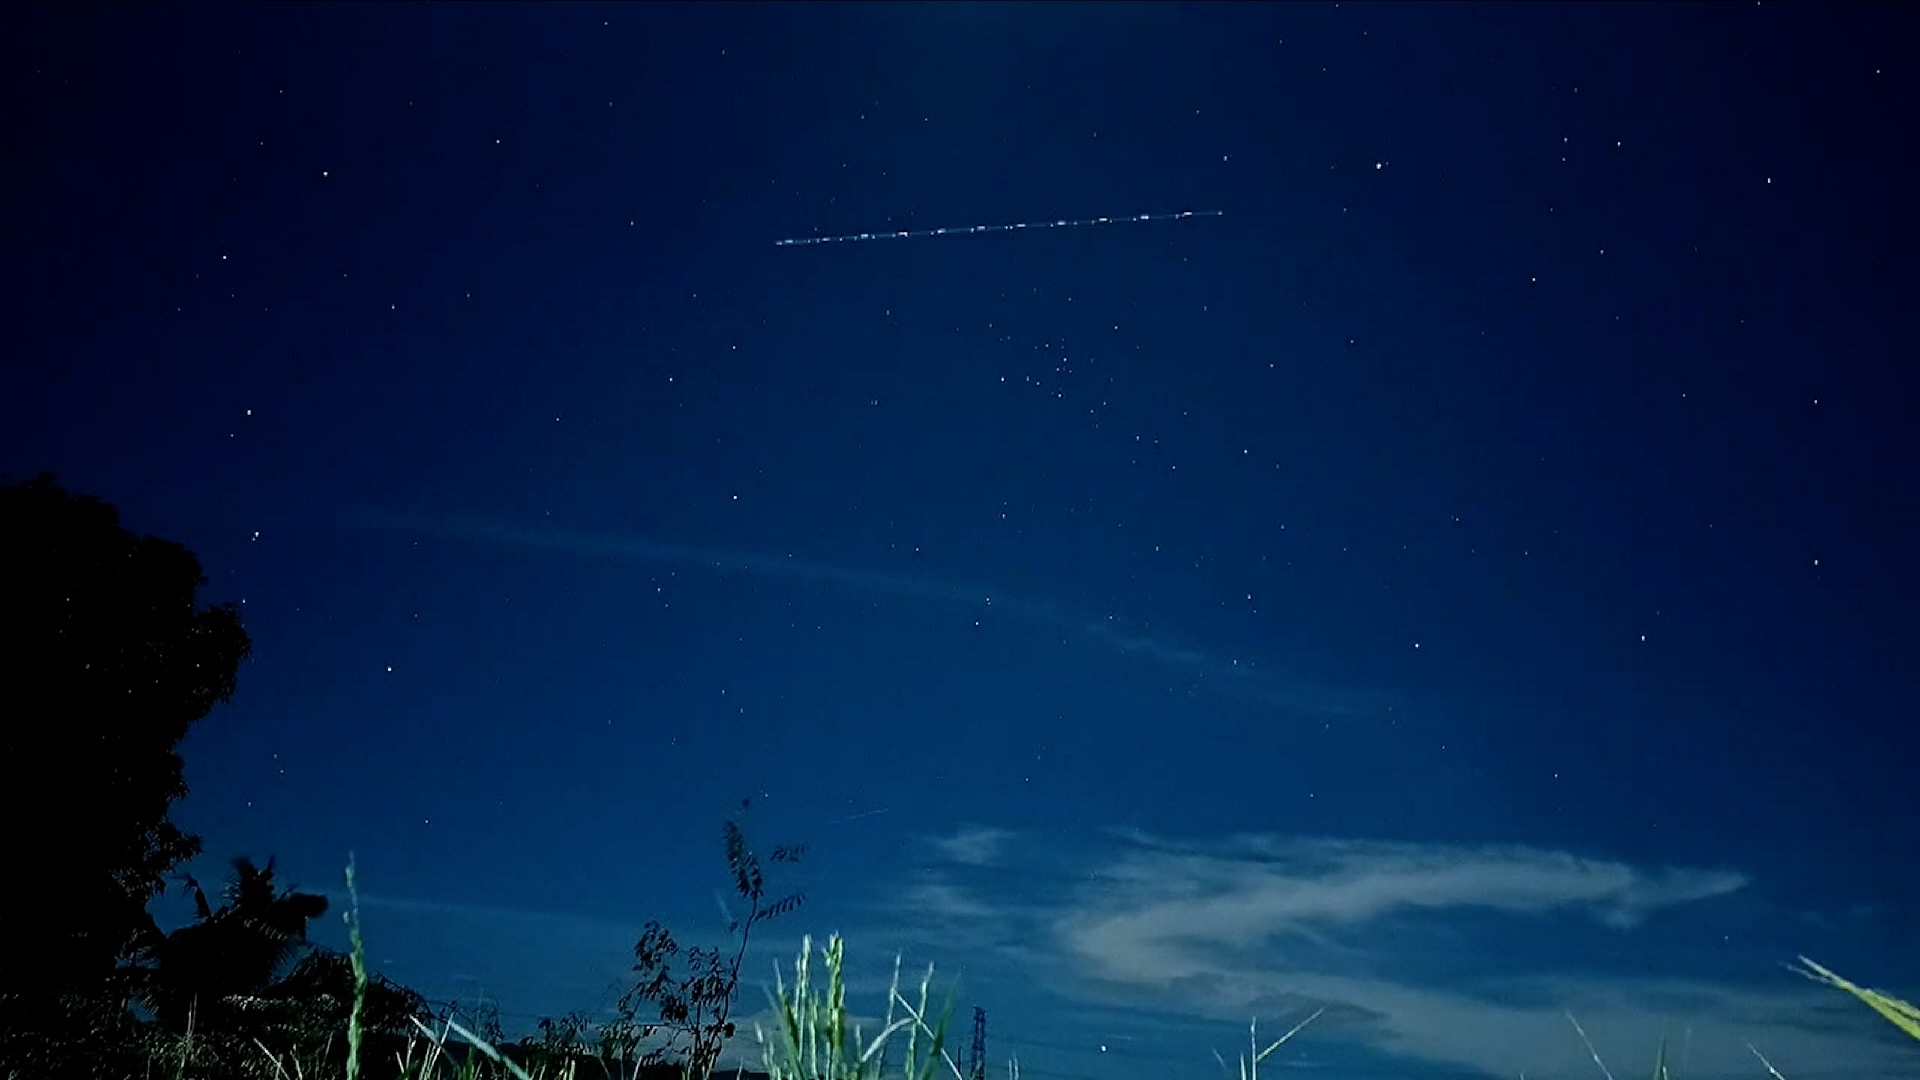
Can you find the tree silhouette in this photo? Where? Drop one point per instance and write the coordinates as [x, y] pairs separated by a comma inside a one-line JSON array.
[[109, 660], [217, 993], [226, 961], [320, 989]]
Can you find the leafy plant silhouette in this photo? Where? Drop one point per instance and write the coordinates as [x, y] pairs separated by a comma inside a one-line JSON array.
[[232, 954], [694, 1009]]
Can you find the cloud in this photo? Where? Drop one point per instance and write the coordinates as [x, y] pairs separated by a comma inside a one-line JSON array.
[[974, 845], [1177, 899], [1458, 956], [1413, 949], [1238, 678], [477, 912]]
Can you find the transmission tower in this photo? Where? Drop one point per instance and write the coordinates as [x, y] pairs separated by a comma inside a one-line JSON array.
[[977, 1060]]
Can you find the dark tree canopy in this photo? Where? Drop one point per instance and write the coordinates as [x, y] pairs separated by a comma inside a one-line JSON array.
[[109, 660], [237, 950]]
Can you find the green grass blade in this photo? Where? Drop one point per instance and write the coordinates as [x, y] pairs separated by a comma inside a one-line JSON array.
[[1901, 1014]]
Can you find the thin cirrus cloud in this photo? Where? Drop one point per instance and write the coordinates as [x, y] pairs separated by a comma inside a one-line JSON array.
[[973, 845], [1243, 680], [1386, 937], [522, 954]]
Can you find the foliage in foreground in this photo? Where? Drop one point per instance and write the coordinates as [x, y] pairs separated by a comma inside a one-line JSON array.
[[1902, 1014], [110, 659], [814, 1043], [813, 1039], [696, 1007]]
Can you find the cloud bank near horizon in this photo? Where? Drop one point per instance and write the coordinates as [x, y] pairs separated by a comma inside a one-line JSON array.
[[1387, 937], [1461, 957]]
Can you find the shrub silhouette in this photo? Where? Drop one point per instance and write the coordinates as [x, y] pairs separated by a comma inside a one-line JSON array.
[[694, 1010]]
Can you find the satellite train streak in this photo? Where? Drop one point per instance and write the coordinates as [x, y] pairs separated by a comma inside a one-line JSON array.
[[967, 230]]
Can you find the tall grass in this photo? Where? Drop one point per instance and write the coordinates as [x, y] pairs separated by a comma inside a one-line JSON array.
[[814, 1042], [1900, 1014]]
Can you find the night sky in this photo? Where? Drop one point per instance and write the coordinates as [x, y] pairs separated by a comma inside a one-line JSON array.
[[1460, 575]]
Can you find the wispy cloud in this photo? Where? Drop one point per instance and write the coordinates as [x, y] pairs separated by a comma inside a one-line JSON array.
[[529, 960], [1218, 932], [972, 845], [1245, 679], [477, 913]]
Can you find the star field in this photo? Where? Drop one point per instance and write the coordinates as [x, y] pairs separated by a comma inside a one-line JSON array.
[[1456, 576]]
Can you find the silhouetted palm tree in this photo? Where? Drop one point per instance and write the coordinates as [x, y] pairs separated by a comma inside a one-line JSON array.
[[229, 955]]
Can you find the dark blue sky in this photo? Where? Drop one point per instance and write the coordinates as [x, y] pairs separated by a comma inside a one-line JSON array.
[[1467, 579]]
